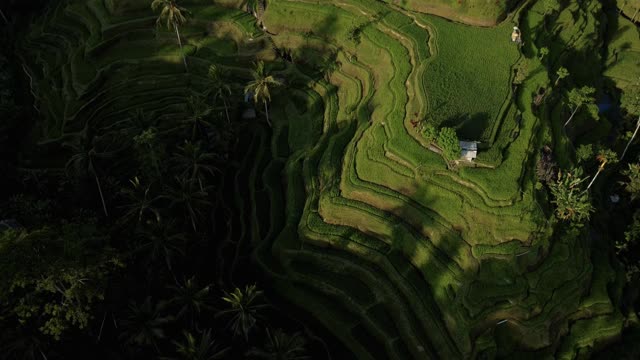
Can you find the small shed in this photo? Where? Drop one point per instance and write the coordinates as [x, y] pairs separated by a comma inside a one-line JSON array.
[[469, 150], [516, 37]]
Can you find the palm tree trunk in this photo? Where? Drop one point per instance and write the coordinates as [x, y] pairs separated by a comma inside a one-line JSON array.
[[631, 140], [266, 111], [184, 59], [226, 111], [4, 17], [572, 114], [104, 205], [594, 178]]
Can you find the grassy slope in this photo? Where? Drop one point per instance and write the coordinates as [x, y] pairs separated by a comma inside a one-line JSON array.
[[353, 218], [473, 12], [624, 54]]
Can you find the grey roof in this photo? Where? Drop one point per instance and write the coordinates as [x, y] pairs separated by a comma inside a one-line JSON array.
[[469, 145], [469, 150]]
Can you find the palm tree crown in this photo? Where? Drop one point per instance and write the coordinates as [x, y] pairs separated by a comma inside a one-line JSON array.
[[244, 308], [260, 87], [171, 12]]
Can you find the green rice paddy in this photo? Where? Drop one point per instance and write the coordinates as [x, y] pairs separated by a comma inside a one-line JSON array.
[[353, 219]]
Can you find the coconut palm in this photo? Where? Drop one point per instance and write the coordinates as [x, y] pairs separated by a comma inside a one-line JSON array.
[[571, 200], [561, 74], [185, 194], [281, 346], [204, 348], [193, 162], [632, 185], [139, 202], [144, 324], [190, 299], [198, 115], [260, 87], [631, 103], [631, 140], [174, 16], [159, 241], [244, 307], [605, 157], [580, 97], [82, 164], [219, 89]]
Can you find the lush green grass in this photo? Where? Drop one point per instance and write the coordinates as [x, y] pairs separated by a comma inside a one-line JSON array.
[[469, 98], [476, 12], [623, 53]]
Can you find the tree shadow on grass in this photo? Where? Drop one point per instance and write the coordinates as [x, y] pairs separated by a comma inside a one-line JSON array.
[[470, 127]]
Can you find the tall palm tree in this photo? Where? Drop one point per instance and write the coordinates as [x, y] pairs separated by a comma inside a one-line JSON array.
[[159, 240], [198, 115], [260, 87], [244, 307], [194, 163], [219, 89], [190, 299], [561, 74], [204, 348], [605, 157], [281, 346], [631, 140], [571, 200], [174, 15], [184, 194], [144, 324], [82, 164], [139, 202], [581, 97], [631, 103]]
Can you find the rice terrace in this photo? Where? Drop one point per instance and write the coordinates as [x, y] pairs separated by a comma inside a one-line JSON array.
[[320, 179]]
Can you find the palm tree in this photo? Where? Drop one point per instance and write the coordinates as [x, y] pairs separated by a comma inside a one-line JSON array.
[[605, 156], [632, 185], [142, 130], [572, 202], [139, 202], [174, 16], [144, 324], [244, 309], [198, 117], [561, 73], [82, 164], [6, 21], [186, 196], [159, 240], [631, 140], [260, 87], [190, 298], [631, 103], [219, 89], [194, 163], [203, 349], [581, 97], [281, 346]]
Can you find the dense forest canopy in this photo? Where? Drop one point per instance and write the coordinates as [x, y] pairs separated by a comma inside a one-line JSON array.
[[288, 179]]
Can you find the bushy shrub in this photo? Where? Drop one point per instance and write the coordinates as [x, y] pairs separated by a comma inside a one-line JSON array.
[[429, 133], [449, 143]]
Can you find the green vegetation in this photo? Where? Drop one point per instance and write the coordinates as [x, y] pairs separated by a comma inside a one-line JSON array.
[[349, 208]]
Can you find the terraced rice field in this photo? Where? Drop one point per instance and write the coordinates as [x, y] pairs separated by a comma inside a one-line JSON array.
[[353, 219]]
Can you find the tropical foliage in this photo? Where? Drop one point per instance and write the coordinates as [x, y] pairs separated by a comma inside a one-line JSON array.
[[571, 199]]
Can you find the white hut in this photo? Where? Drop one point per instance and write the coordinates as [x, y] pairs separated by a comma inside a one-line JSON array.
[[469, 150]]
